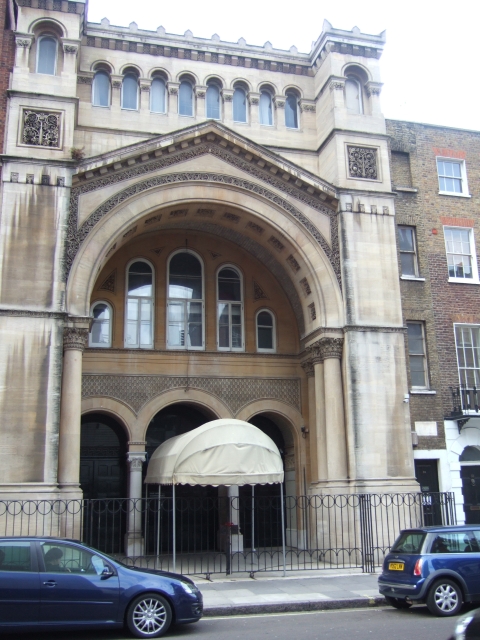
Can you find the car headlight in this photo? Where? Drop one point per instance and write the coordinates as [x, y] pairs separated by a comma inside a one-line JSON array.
[[461, 626], [189, 588]]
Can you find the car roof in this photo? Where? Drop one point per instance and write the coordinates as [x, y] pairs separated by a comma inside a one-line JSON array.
[[52, 538], [444, 528]]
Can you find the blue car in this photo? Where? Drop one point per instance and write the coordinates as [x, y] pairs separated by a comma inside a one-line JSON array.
[[57, 584], [438, 566]]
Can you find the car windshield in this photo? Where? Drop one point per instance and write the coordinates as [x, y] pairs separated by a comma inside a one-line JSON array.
[[409, 542]]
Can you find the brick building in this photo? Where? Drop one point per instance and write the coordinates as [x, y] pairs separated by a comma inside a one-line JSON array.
[[435, 174]]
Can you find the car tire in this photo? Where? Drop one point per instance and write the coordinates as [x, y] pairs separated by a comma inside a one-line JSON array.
[[444, 598], [149, 616], [398, 603]]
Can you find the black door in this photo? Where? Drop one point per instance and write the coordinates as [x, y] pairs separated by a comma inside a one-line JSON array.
[[471, 493], [426, 472]]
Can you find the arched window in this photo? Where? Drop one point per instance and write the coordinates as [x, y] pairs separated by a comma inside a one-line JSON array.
[[213, 102], [47, 55], [130, 91], [470, 454], [185, 99], [265, 331], [239, 105], [139, 311], [101, 332], [230, 310], [266, 113], [101, 89], [185, 306], [291, 111], [157, 96], [353, 95]]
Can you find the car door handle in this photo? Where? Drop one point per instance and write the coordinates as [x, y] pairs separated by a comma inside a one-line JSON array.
[[50, 583]]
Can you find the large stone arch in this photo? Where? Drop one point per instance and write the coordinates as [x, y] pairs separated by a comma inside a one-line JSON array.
[[113, 408], [133, 215]]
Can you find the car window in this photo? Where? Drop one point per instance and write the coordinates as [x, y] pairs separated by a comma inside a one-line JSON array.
[[15, 556], [409, 542], [476, 541], [458, 542], [64, 558]]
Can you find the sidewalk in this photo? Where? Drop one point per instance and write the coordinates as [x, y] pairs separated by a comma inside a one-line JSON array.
[[298, 591]]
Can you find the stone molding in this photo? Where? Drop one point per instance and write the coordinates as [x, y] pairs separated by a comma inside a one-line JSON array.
[[23, 313], [137, 390], [374, 329], [75, 338], [326, 348], [76, 236]]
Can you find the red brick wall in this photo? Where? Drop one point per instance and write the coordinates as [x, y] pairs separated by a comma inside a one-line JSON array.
[[7, 56]]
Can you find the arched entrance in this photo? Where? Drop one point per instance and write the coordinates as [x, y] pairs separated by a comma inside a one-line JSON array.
[[103, 448]]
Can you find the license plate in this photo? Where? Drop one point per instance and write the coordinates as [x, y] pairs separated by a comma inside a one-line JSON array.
[[396, 566]]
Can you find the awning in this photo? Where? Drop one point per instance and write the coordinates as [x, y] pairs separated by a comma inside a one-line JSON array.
[[221, 452]]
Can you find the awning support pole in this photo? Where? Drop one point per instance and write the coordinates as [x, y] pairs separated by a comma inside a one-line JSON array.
[[283, 528], [174, 535], [158, 526]]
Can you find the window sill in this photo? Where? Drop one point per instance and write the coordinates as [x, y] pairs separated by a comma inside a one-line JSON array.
[[406, 189], [451, 193], [158, 113], [463, 281], [412, 278], [101, 106], [184, 115], [128, 109], [422, 392]]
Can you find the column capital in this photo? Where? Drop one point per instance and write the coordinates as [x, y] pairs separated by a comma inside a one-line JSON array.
[[23, 40], [253, 98], [136, 459], [279, 101], [173, 88], [201, 90], [309, 369], [227, 95], [326, 348], [75, 338]]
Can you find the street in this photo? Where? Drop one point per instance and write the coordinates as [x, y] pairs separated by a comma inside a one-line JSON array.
[[347, 624]]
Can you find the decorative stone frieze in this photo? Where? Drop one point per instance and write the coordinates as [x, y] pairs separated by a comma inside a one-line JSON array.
[[136, 391], [258, 292], [305, 286], [293, 264], [326, 347], [84, 79], [313, 312], [75, 338], [109, 283], [308, 106], [41, 128], [362, 162]]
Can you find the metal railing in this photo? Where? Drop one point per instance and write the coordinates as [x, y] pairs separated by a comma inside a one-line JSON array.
[[229, 535], [464, 401]]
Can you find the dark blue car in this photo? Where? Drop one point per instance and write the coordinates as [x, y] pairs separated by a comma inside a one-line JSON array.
[[439, 566], [49, 583]]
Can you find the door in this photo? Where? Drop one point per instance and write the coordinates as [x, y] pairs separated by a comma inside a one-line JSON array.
[[471, 493], [426, 473], [72, 587], [19, 583]]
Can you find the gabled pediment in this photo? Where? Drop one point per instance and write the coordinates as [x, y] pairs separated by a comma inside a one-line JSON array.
[[209, 137]]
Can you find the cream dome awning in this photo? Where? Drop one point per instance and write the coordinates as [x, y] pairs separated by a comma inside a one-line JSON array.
[[221, 452]]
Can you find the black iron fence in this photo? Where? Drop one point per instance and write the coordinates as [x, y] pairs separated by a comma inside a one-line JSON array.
[[228, 535]]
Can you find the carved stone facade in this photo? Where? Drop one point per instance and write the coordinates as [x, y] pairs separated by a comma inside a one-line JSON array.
[[41, 128], [362, 163]]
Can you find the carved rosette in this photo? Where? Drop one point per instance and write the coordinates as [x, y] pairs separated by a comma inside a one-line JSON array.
[[75, 338], [362, 162]]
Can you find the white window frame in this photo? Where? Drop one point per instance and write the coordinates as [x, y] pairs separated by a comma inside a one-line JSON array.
[[52, 37], [99, 345], [424, 355], [185, 301], [152, 299], [274, 331], [102, 106], [457, 346], [230, 302], [463, 170], [131, 75], [473, 254], [405, 276]]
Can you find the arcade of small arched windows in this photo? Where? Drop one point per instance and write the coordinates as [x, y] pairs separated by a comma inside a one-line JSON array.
[[184, 314]]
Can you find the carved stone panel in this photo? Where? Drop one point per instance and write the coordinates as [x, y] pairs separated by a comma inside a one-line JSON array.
[[136, 391], [41, 128], [362, 163]]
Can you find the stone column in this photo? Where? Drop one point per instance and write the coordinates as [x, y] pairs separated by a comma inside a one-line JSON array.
[[254, 102], [134, 542], [23, 42], [279, 104], [320, 417], [144, 105], [309, 369], [173, 88], [337, 88], [227, 96], [75, 339], [331, 352]]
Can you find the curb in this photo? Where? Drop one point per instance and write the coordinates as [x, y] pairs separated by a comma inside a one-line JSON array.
[[285, 607]]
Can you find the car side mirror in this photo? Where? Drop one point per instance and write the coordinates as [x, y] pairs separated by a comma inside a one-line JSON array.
[[106, 573]]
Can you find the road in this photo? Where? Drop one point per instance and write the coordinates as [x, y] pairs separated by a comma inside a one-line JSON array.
[[348, 624]]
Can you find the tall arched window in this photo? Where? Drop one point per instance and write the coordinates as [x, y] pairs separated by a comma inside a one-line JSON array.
[[230, 310], [157, 96], [185, 99], [185, 308], [101, 332], [266, 113], [139, 311], [353, 95], [239, 105], [130, 91], [213, 102], [265, 331], [101, 89], [291, 111], [47, 55]]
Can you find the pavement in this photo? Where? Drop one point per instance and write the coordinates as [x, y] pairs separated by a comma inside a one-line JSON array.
[[298, 591]]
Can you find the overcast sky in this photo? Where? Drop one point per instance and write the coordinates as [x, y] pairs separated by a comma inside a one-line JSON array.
[[429, 66]]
